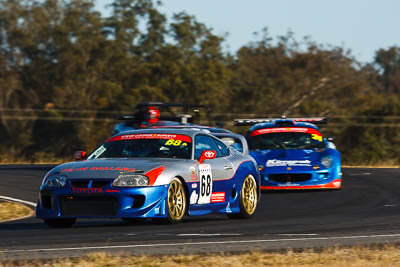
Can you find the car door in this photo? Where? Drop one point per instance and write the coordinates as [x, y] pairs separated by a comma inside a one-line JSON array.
[[214, 174]]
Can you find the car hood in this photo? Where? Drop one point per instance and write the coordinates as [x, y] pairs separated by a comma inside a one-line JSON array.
[[108, 168], [287, 157]]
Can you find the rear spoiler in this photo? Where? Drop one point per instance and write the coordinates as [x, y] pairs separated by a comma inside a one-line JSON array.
[[249, 122], [184, 118], [240, 138], [185, 106], [140, 114]]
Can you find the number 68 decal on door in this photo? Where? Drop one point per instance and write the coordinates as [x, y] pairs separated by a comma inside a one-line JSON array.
[[205, 176]]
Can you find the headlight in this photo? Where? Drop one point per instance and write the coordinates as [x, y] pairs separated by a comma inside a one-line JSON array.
[[131, 180], [327, 161], [55, 181]]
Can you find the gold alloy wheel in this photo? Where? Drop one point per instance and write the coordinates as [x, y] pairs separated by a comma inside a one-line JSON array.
[[176, 200], [249, 195]]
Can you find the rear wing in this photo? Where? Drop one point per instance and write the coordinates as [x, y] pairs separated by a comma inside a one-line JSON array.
[[147, 111], [283, 120], [236, 141], [185, 106]]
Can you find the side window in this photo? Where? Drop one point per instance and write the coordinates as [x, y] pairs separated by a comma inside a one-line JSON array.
[[222, 148], [204, 142]]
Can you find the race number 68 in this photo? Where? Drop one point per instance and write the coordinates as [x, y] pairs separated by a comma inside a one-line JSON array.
[[205, 185]]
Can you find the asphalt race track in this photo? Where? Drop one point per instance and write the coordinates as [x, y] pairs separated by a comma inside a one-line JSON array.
[[365, 211]]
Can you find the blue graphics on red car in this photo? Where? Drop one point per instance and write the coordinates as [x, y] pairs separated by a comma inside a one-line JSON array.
[[292, 154], [153, 173]]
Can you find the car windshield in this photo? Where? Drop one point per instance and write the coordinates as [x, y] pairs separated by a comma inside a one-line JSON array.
[[285, 140], [145, 146]]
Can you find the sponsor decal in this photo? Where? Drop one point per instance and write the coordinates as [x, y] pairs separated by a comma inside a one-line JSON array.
[[209, 154], [332, 185], [315, 133], [112, 191], [99, 151], [86, 190], [217, 197], [284, 163], [174, 137], [206, 183], [194, 185], [193, 175], [99, 169], [75, 170], [193, 197]]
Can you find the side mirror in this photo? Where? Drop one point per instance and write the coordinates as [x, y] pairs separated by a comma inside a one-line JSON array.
[[80, 155], [207, 154]]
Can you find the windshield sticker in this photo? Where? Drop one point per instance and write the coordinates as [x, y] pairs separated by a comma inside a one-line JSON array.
[[316, 137], [173, 142], [99, 169], [98, 152], [182, 138], [284, 163], [287, 129]]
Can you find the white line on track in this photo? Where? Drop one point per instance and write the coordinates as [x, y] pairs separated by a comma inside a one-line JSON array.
[[296, 234], [19, 201], [208, 234], [359, 174], [203, 243]]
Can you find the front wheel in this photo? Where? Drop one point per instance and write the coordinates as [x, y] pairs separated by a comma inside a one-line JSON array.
[[176, 202], [248, 199], [60, 223]]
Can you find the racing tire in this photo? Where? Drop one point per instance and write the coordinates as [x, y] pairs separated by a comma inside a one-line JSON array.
[[176, 202], [60, 223], [248, 199]]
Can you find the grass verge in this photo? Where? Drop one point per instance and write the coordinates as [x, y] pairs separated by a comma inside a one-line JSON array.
[[11, 210], [388, 255]]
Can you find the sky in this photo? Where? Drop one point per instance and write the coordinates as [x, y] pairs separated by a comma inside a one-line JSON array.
[[363, 26]]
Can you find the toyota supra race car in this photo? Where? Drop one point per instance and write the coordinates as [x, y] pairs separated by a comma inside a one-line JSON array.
[[152, 173], [292, 154]]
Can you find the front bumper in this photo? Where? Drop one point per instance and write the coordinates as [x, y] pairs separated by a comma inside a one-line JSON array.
[[139, 202], [280, 179]]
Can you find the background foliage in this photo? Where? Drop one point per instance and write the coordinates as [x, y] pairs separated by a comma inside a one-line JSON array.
[[66, 72]]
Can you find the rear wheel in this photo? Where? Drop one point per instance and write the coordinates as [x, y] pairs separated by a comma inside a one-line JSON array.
[[248, 199], [176, 201], [60, 223]]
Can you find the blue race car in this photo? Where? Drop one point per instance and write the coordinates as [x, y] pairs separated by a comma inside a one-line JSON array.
[[292, 154], [162, 174]]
